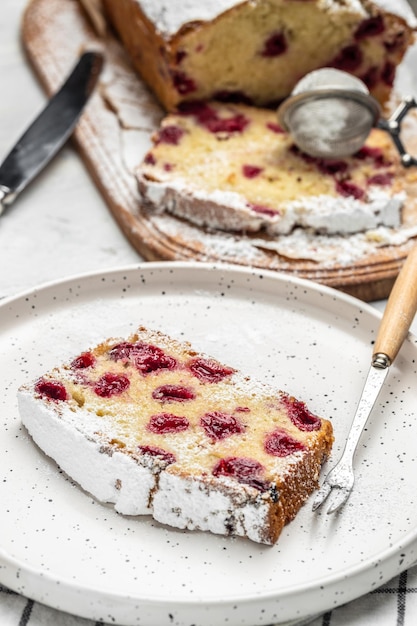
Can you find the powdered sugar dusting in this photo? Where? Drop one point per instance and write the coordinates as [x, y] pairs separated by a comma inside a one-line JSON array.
[[345, 216], [228, 210], [169, 15]]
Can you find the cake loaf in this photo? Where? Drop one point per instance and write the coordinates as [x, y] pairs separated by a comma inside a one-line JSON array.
[[157, 428], [232, 167], [257, 50]]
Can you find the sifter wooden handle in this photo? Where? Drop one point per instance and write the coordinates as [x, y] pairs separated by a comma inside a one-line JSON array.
[[400, 310]]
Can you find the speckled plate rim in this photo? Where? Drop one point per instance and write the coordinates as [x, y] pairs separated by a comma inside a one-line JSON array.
[[318, 595]]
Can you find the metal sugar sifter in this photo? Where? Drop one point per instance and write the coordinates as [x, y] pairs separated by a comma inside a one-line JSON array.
[[331, 113]]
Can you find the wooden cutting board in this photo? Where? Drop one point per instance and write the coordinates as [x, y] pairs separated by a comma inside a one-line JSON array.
[[114, 134]]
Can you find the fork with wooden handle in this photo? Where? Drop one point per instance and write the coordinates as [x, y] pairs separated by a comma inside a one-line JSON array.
[[397, 318]]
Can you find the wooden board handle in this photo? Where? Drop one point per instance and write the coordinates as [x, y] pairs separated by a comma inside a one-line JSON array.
[[400, 310]]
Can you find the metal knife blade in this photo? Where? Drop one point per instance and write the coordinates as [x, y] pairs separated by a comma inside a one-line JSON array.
[[50, 130]]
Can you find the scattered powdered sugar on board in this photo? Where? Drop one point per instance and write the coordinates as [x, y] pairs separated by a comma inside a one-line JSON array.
[[335, 250], [126, 95], [210, 244]]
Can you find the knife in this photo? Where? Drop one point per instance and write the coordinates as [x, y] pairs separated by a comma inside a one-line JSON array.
[[50, 130]]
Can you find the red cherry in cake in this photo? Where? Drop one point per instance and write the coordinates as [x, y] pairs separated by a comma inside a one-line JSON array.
[[150, 159], [251, 171], [370, 27], [349, 58], [86, 359], [205, 114], [346, 188], [218, 425], [275, 45], [300, 415], [173, 393], [388, 73], [381, 179], [234, 124], [263, 210], [208, 370], [368, 152], [327, 166], [121, 351], [198, 108], [171, 135], [233, 96], [276, 128], [164, 423], [374, 153], [183, 83], [280, 443], [180, 56], [159, 452], [51, 389], [111, 385], [208, 117], [148, 358], [244, 470], [332, 167]]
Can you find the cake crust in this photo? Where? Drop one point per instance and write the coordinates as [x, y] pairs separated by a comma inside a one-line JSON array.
[[156, 428]]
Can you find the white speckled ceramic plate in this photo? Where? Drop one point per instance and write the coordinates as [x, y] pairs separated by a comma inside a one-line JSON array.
[[62, 548]]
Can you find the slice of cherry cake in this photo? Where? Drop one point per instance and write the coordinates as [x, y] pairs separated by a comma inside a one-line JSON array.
[[157, 428], [232, 167], [255, 51]]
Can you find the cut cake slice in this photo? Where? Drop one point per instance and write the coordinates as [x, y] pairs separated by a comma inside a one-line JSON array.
[[232, 167], [155, 427], [255, 51]]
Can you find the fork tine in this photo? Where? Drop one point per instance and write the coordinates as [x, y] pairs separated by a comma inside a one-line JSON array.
[[338, 498], [321, 495]]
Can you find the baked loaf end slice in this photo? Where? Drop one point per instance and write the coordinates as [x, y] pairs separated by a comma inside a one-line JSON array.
[[157, 428], [256, 51], [231, 167]]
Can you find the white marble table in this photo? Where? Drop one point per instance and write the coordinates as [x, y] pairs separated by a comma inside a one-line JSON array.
[[61, 227]]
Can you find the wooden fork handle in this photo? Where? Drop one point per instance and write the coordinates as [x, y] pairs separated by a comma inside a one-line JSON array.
[[400, 310]]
